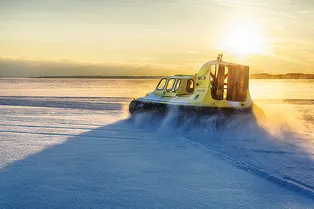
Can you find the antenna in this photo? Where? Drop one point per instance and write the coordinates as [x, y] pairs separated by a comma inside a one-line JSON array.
[[219, 57]]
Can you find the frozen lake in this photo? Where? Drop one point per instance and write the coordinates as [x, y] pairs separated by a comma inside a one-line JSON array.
[[68, 143]]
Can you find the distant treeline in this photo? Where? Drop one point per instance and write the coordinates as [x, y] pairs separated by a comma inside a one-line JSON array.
[[101, 76], [252, 76], [282, 76]]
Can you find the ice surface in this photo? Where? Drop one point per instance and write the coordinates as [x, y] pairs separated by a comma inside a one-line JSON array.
[[82, 152], [61, 157]]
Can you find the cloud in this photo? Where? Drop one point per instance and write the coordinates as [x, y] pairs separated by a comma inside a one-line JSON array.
[[17, 67], [269, 7]]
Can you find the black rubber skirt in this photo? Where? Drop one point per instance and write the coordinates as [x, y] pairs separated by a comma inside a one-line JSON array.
[[140, 106]]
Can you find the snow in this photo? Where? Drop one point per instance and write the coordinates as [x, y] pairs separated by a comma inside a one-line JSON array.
[[70, 152]]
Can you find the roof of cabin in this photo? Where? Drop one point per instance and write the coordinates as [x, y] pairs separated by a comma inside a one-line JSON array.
[[218, 62], [179, 76]]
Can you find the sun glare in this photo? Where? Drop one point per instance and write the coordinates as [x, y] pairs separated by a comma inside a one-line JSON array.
[[242, 39]]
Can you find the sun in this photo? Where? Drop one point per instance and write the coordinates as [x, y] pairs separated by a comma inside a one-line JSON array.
[[242, 38]]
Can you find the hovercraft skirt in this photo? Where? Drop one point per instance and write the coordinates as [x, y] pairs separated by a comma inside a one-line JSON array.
[[162, 108]]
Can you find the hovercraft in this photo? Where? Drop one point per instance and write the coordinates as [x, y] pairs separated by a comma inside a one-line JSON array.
[[219, 87]]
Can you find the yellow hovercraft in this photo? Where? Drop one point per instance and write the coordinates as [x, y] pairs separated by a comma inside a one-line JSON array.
[[218, 87]]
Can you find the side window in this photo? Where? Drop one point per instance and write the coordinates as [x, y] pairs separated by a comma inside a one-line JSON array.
[[161, 84], [190, 86], [170, 84], [213, 70], [177, 85]]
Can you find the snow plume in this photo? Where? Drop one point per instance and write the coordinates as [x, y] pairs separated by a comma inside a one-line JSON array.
[[287, 122], [202, 127], [125, 111], [283, 125], [162, 124], [281, 121], [283, 118]]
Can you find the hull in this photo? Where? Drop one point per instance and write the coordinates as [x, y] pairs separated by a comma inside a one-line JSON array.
[[140, 106]]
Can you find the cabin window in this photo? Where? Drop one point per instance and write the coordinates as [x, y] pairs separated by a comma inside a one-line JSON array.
[[161, 84], [190, 85], [177, 85], [170, 84], [213, 72]]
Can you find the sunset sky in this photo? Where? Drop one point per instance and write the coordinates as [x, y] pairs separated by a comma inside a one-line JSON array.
[[125, 37]]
